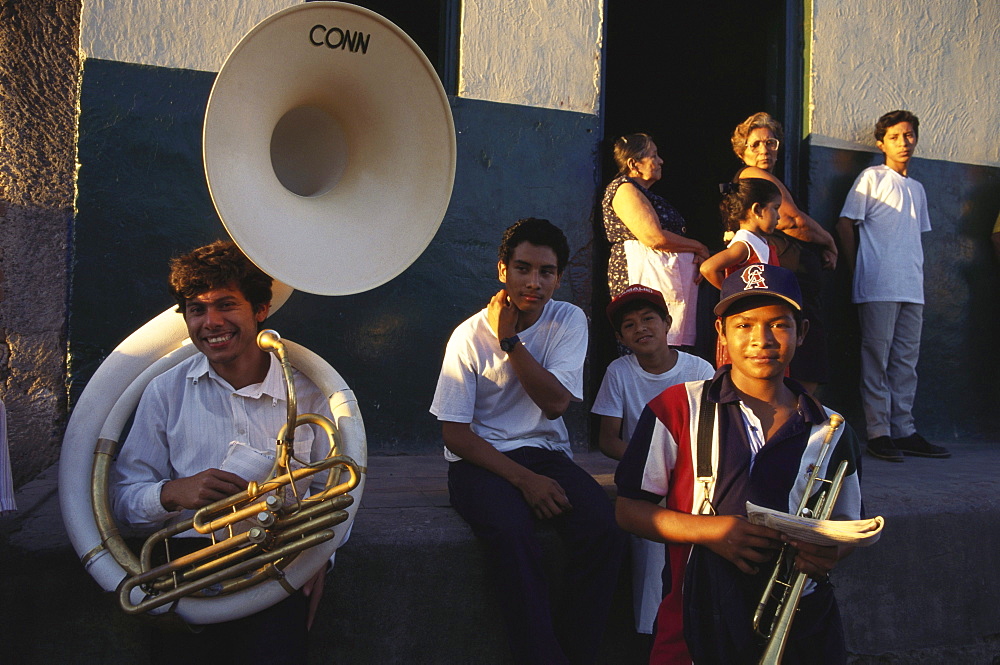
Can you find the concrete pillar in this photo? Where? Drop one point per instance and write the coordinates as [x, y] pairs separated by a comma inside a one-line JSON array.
[[39, 65]]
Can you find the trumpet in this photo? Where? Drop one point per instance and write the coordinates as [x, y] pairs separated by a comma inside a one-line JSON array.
[[776, 610], [281, 526]]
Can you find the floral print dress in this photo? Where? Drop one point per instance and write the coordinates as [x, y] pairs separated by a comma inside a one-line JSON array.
[[618, 233]]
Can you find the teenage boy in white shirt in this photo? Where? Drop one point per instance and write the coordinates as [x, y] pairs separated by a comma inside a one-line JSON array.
[[509, 373], [888, 211]]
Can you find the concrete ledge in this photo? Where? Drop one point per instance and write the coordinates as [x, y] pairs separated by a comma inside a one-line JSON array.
[[410, 586], [422, 594], [927, 591]]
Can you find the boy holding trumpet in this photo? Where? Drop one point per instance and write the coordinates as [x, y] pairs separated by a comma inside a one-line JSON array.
[[709, 447]]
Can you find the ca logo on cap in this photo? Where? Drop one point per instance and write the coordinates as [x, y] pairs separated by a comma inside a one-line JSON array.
[[753, 277]]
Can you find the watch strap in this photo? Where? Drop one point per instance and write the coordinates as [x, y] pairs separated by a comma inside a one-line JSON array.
[[508, 343]]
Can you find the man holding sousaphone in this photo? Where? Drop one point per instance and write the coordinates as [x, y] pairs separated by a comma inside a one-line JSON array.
[[711, 447], [204, 428]]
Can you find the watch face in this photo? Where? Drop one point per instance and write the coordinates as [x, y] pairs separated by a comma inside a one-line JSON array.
[[508, 344]]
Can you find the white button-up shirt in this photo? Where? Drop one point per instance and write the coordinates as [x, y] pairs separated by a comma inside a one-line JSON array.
[[190, 419]]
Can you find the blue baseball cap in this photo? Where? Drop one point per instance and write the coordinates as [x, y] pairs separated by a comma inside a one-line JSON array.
[[760, 279]]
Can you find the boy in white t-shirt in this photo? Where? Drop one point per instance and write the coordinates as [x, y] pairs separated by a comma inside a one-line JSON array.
[[879, 228], [641, 321], [508, 375]]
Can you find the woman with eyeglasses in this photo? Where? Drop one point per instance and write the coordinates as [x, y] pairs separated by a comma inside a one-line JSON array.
[[649, 243], [756, 141], [803, 246]]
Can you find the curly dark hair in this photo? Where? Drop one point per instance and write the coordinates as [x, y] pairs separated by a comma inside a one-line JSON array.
[[892, 119], [740, 196], [539, 232], [217, 265]]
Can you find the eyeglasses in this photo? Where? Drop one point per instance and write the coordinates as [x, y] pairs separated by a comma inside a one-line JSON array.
[[770, 144]]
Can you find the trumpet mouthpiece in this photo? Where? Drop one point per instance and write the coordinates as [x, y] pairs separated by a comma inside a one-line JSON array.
[[269, 340], [836, 420]]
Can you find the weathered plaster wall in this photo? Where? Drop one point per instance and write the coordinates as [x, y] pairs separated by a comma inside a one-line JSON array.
[[542, 53], [143, 197], [38, 97], [182, 34], [937, 58]]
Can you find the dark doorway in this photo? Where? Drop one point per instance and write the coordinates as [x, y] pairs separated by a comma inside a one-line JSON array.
[[687, 73]]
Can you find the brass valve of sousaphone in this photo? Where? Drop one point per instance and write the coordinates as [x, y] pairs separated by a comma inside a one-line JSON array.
[[279, 527]]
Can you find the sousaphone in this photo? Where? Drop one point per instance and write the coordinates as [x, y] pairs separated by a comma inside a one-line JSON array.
[[329, 151]]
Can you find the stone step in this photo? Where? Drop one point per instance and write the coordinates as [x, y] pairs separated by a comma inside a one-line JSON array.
[[409, 586]]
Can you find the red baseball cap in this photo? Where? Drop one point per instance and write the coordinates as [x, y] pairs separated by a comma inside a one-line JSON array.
[[636, 292]]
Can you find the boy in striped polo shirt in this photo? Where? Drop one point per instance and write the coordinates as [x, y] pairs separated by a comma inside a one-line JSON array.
[[761, 441]]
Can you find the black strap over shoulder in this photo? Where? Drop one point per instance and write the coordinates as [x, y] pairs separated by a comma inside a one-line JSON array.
[[705, 471]]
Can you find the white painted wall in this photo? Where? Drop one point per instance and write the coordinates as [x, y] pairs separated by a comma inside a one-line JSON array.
[[182, 34], [936, 58], [540, 53]]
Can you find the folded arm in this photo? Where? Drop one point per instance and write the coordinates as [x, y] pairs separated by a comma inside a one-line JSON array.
[[714, 268], [541, 385], [637, 213], [795, 222], [544, 389]]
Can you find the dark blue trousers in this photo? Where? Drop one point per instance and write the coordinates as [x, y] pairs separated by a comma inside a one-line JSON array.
[[719, 602], [505, 526]]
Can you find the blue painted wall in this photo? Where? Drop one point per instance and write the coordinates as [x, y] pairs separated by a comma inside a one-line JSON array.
[[143, 198]]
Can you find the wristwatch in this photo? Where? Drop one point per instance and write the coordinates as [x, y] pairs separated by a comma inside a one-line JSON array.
[[508, 343]]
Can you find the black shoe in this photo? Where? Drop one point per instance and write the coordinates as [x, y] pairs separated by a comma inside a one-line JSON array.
[[882, 448], [920, 447]]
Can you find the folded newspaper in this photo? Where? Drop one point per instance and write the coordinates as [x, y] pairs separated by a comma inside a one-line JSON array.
[[820, 532]]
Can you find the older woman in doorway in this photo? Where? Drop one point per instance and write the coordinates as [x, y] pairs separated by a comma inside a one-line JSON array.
[[648, 237], [802, 245], [756, 141]]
